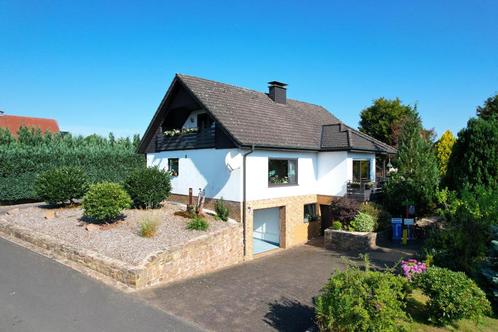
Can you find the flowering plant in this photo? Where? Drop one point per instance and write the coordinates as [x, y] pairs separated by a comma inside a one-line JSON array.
[[411, 267], [179, 132]]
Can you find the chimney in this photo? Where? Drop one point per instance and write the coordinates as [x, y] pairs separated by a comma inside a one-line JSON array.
[[278, 92]]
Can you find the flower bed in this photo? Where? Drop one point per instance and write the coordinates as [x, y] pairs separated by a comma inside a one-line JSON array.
[[118, 250]]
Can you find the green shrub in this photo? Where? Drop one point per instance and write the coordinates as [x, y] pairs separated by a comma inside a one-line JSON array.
[[336, 225], [362, 223], [60, 185], [356, 300], [148, 187], [381, 217], [105, 201], [489, 270], [462, 244], [148, 227], [452, 296], [344, 209], [198, 223], [24, 158], [221, 210]]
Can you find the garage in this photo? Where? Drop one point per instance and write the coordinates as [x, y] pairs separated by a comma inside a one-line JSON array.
[[266, 230]]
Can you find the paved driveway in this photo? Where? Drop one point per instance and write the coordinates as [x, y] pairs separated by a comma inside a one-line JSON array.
[[274, 292]]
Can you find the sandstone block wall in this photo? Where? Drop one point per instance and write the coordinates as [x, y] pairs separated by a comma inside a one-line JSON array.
[[349, 241]]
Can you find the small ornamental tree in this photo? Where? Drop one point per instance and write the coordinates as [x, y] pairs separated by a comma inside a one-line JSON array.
[[443, 149], [417, 179], [474, 158], [382, 119]]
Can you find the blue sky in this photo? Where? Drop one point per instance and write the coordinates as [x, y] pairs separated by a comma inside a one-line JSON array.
[[100, 66]]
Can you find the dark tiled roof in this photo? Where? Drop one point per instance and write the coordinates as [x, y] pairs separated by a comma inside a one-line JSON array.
[[14, 122], [342, 137], [253, 118]]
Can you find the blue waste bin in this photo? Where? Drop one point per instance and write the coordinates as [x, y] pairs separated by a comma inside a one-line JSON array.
[[397, 225]]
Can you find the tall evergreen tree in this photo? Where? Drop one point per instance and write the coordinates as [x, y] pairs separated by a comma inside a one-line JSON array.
[[417, 179], [490, 108], [474, 160]]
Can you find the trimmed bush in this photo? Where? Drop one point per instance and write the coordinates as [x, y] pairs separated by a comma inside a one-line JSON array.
[[105, 201], [61, 185], [148, 227], [362, 223], [221, 210], [345, 209], [148, 187], [355, 300], [198, 223], [336, 225], [452, 296]]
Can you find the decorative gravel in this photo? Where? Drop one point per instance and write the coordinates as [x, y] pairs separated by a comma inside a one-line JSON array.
[[119, 240]]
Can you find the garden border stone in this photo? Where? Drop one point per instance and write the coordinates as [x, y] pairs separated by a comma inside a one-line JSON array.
[[204, 254]]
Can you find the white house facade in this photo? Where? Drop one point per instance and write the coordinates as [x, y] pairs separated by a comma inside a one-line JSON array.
[[278, 163]]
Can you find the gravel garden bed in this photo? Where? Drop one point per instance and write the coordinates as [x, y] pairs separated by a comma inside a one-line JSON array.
[[121, 242]]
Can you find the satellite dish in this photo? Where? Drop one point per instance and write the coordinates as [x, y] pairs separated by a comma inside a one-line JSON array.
[[233, 160]]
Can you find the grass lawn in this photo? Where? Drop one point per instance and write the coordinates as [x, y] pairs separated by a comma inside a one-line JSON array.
[[416, 309]]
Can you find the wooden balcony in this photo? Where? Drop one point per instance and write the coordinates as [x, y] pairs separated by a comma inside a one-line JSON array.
[[203, 139]]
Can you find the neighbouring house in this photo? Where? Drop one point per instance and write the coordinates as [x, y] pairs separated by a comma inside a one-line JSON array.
[[277, 162], [14, 122]]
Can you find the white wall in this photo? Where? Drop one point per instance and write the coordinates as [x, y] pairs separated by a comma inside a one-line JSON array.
[[257, 175], [332, 173], [205, 169], [324, 173]]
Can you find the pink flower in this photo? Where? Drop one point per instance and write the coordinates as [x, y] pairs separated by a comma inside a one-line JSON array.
[[411, 267]]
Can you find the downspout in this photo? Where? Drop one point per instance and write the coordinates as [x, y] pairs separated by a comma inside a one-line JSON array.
[[244, 195]]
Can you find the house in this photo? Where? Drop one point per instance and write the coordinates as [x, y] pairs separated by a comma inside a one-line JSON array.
[[14, 122], [276, 162]]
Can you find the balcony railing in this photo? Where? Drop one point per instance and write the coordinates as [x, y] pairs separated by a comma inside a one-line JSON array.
[[202, 139], [364, 191]]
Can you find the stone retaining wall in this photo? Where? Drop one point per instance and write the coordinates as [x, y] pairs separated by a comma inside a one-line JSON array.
[[349, 241], [201, 255]]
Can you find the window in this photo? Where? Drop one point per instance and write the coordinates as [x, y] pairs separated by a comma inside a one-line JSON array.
[[204, 121], [173, 166], [361, 170], [282, 172], [310, 212]]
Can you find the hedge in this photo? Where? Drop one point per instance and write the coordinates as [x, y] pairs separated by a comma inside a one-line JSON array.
[[22, 159]]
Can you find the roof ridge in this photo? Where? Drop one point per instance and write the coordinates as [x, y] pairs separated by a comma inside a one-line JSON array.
[[26, 117], [247, 89]]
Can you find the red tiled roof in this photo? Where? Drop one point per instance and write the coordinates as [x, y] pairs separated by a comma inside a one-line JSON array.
[[14, 122]]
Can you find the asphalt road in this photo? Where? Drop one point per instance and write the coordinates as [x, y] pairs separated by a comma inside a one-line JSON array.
[[38, 294]]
